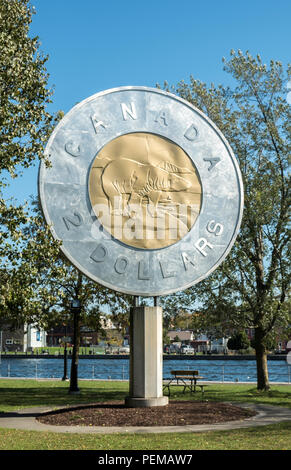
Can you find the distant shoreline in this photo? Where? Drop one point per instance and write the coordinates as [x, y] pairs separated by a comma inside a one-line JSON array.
[[166, 357]]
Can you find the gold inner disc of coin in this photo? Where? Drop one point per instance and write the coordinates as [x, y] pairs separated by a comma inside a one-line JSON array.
[[145, 190]]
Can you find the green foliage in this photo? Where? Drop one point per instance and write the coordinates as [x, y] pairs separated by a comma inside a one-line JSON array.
[[24, 121], [238, 341], [36, 282], [25, 125]]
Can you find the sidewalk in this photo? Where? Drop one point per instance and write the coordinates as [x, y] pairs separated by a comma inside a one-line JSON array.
[[26, 420]]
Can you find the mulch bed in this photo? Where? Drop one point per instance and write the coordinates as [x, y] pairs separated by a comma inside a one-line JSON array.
[[176, 413]]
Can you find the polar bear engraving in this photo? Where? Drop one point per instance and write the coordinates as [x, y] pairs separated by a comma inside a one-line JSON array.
[[129, 181], [144, 190]]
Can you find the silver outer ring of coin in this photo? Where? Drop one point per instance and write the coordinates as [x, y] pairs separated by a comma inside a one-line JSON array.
[[63, 190]]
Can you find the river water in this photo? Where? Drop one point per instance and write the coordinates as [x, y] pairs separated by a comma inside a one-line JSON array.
[[118, 369]]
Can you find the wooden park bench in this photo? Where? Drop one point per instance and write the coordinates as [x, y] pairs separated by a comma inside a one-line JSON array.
[[184, 378]]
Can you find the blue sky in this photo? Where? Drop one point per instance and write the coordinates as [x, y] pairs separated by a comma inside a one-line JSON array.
[[95, 45]]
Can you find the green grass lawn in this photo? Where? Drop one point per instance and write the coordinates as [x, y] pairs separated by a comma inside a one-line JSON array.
[[16, 394], [275, 437], [56, 350]]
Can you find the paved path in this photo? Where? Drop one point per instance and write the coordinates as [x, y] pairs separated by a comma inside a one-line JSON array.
[[26, 420]]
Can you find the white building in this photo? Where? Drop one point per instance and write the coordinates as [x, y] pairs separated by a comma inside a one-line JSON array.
[[33, 338], [219, 346]]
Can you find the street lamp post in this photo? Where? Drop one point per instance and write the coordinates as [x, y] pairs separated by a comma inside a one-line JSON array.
[[75, 309], [65, 363], [65, 340]]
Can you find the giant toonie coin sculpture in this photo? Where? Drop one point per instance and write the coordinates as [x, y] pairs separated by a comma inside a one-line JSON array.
[[143, 191]]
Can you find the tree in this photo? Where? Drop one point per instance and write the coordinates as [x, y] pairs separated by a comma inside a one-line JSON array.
[[251, 287], [24, 121], [25, 125], [175, 311], [238, 341], [41, 284]]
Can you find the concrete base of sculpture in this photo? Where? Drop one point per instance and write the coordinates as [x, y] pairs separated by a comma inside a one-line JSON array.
[[146, 402], [146, 358]]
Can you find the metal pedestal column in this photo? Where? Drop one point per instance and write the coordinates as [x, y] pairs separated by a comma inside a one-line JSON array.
[[146, 358]]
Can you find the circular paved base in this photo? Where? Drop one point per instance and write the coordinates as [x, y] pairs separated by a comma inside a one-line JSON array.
[[25, 420]]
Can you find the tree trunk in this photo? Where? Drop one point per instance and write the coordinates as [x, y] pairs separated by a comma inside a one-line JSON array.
[[75, 355], [261, 359]]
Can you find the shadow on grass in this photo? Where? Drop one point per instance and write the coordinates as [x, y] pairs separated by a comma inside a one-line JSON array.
[[23, 394], [280, 395], [24, 397]]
